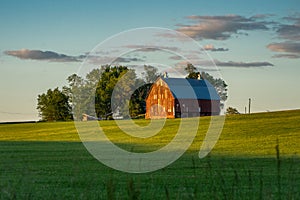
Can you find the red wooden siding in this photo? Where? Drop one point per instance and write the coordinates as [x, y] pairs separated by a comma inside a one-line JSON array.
[[160, 101]]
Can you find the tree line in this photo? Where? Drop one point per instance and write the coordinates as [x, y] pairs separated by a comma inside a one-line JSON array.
[[73, 100]]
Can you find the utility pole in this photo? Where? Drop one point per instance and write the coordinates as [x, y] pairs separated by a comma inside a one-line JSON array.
[[249, 105], [245, 110]]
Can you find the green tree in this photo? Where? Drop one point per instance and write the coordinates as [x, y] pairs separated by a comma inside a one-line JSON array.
[[77, 97], [192, 71], [218, 83], [129, 93], [54, 106], [150, 74], [138, 99], [105, 86], [102, 82], [127, 83]]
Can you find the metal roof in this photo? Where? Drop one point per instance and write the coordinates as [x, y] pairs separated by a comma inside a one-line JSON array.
[[183, 88]]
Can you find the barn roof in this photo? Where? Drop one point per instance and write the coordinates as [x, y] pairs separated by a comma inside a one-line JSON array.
[[183, 88]]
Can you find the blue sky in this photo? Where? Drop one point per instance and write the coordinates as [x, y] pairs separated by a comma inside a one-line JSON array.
[[256, 44]]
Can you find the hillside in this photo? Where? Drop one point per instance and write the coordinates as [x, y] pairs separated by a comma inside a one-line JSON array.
[[254, 134]]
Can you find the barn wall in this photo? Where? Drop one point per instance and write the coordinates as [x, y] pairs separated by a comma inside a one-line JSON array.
[[186, 108], [160, 101], [209, 107], [194, 108]]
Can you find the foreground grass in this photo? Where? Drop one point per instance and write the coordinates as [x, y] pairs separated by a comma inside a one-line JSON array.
[[48, 161]]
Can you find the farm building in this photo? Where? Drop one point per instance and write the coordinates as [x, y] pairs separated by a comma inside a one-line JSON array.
[[180, 97]]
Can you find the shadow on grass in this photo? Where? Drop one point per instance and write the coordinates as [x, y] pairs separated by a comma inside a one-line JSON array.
[[48, 170]]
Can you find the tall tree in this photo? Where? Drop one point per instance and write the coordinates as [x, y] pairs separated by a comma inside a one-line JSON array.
[[79, 91], [218, 83], [129, 93], [138, 99], [102, 81], [192, 71], [105, 86], [150, 74], [54, 106]]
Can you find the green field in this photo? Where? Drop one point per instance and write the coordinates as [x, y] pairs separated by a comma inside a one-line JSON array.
[[48, 161]]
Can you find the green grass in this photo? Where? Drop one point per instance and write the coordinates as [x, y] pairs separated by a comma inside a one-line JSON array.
[[48, 161]]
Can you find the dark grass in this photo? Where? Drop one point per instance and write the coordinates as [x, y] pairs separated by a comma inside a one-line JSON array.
[[65, 170]]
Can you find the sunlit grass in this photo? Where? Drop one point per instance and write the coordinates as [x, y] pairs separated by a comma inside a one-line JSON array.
[[55, 131], [254, 134]]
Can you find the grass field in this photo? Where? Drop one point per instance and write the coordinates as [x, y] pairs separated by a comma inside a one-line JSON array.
[[48, 161]]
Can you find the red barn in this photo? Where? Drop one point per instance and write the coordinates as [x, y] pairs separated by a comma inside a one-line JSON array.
[[180, 97]]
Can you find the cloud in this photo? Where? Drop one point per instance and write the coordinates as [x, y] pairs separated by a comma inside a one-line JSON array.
[[175, 57], [128, 60], [149, 48], [56, 57], [261, 16], [210, 47], [290, 49], [43, 55], [243, 64], [290, 31], [108, 60], [209, 65], [291, 56], [203, 66], [221, 27]]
